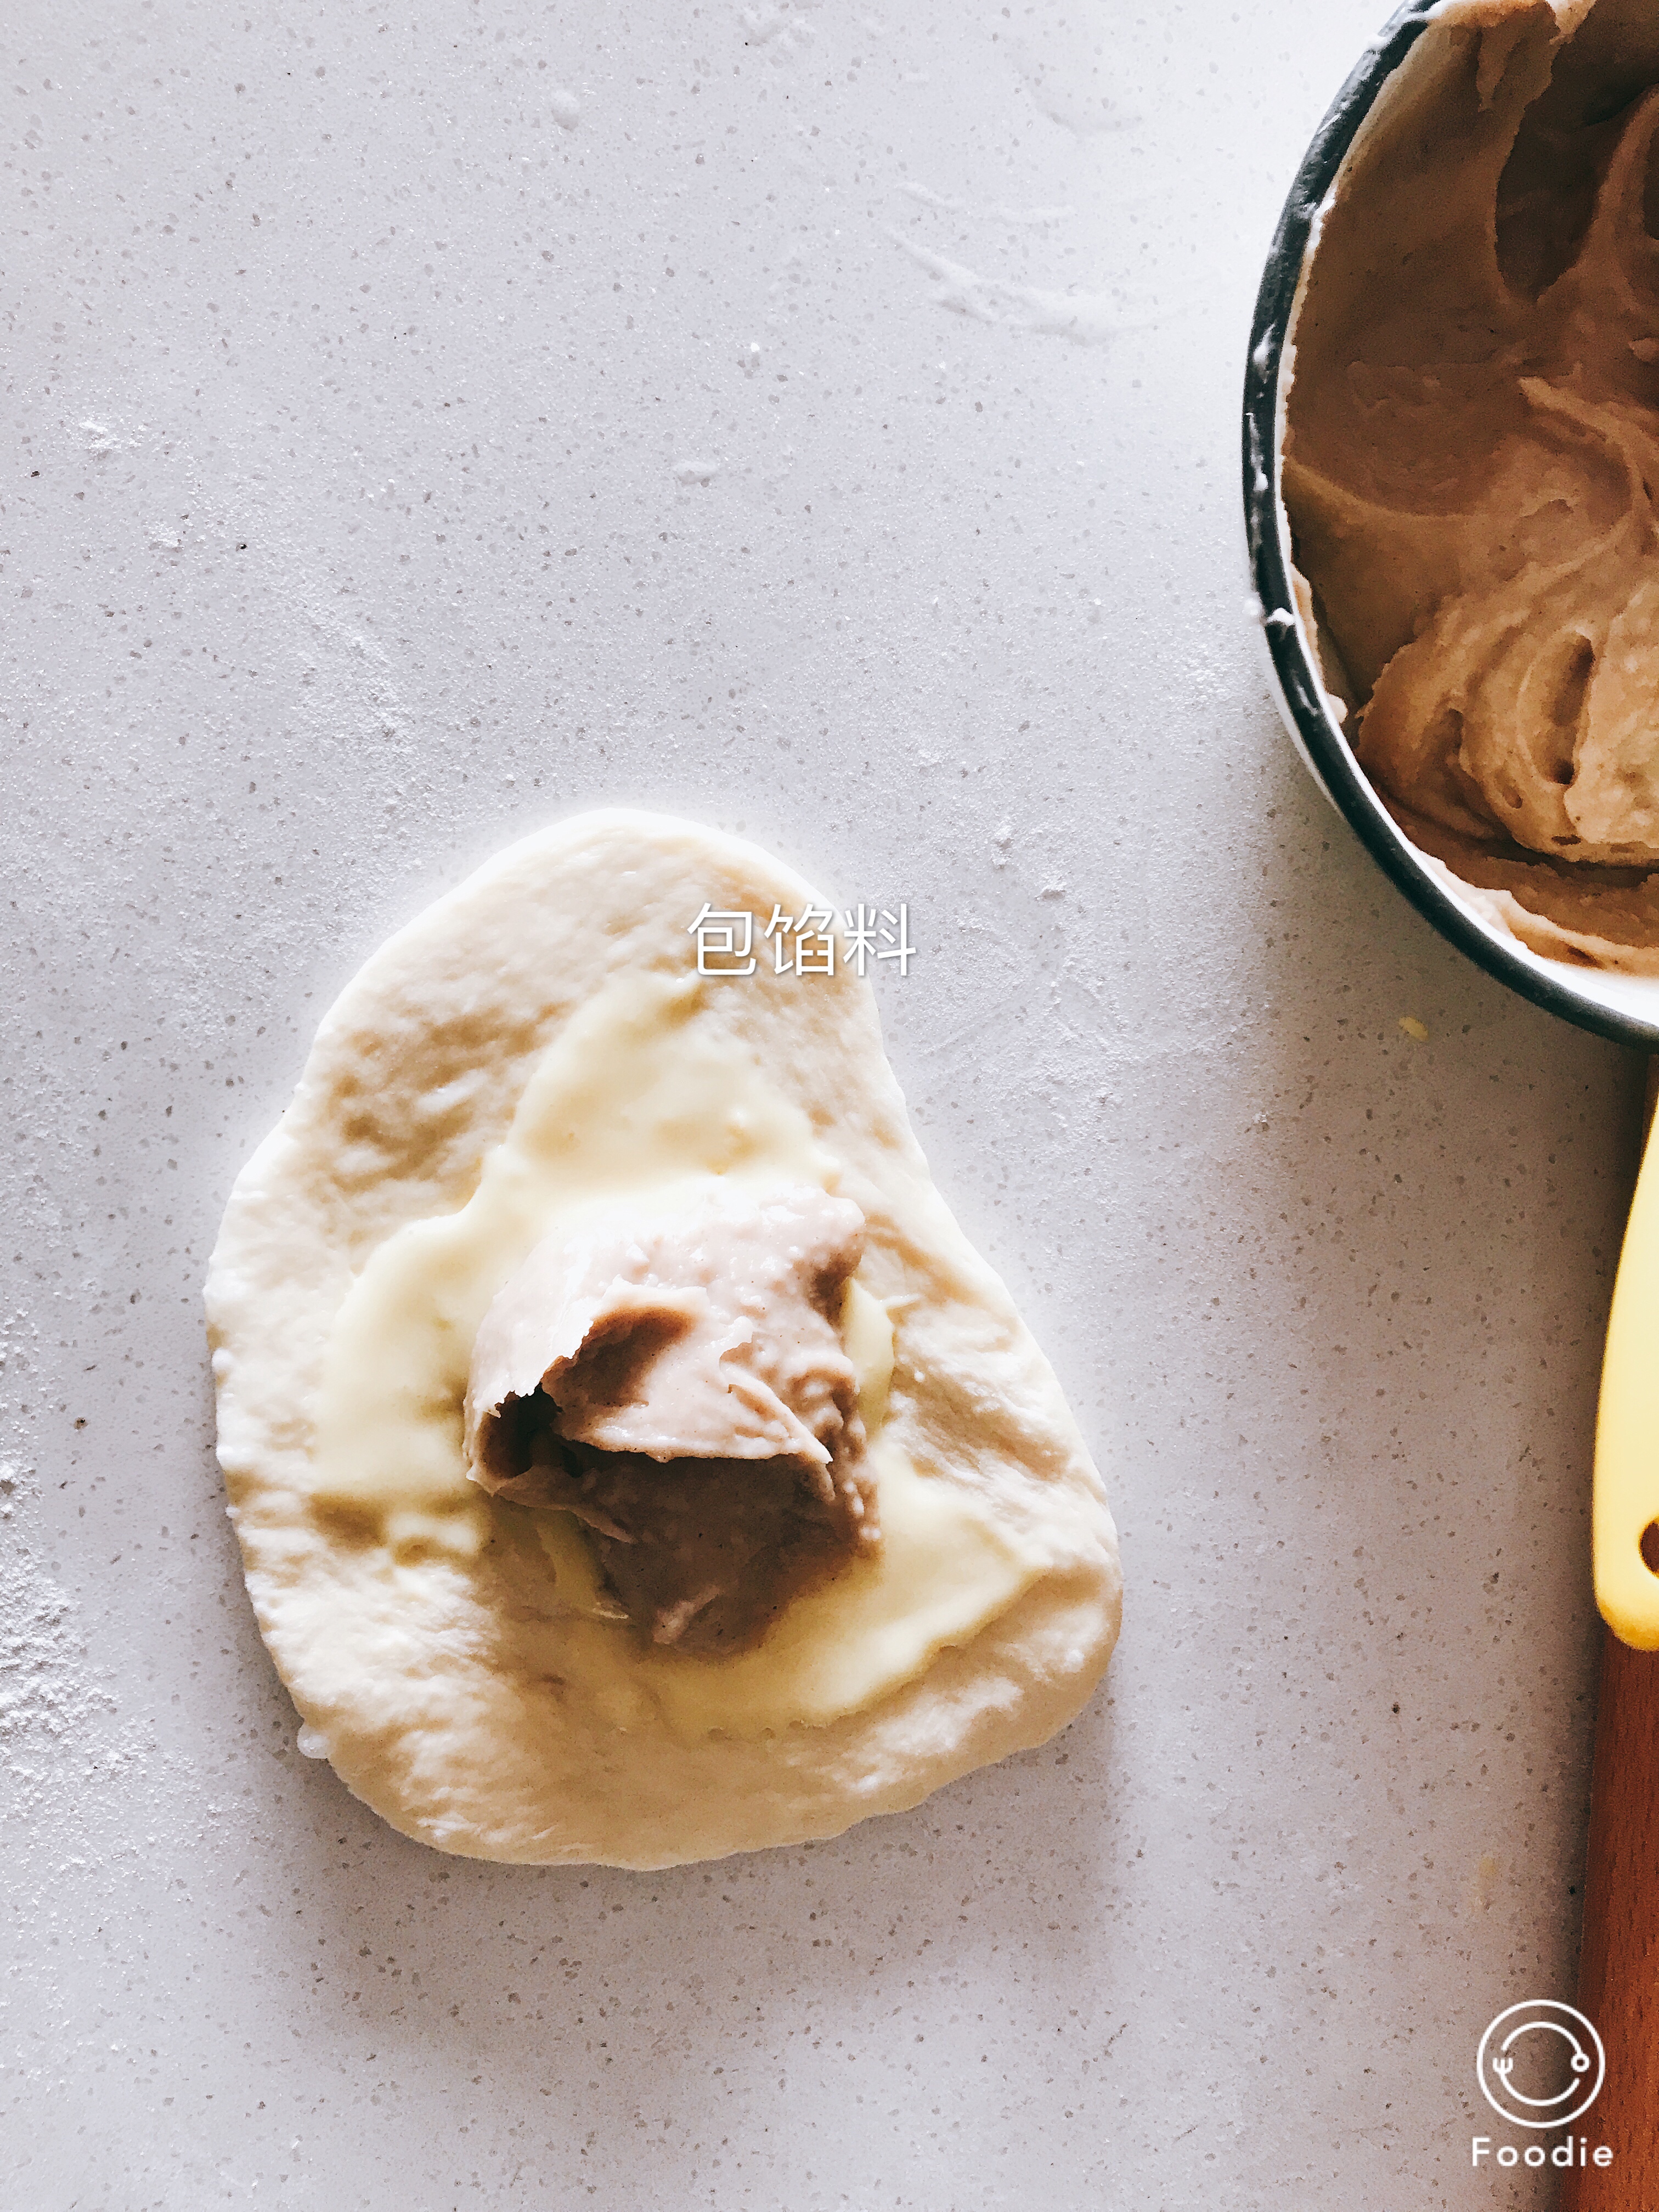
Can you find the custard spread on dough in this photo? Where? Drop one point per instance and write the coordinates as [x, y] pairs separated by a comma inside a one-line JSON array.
[[638, 1112], [1472, 462]]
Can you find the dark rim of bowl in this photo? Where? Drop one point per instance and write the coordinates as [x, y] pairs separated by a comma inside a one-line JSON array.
[[1299, 679]]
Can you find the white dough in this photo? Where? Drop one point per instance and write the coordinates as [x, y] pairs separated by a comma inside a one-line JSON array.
[[461, 1678]]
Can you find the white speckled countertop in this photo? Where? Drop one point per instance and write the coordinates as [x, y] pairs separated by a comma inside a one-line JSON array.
[[821, 419]]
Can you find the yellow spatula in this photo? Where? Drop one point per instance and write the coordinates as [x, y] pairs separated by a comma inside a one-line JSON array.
[[1619, 1965]]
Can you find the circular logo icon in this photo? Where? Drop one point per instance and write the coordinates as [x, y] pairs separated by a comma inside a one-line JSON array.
[[1540, 2064]]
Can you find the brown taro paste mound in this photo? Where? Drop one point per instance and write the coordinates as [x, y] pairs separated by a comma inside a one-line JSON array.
[[1472, 463], [680, 1387]]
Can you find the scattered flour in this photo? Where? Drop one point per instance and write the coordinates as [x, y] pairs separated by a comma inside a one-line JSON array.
[[49, 1698]]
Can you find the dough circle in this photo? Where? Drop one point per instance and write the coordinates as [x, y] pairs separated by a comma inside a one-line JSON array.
[[436, 1682]]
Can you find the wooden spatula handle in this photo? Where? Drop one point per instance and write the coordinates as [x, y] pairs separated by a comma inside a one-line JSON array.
[[1619, 1965]]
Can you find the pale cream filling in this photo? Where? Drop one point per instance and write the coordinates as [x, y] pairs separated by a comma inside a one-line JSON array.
[[638, 1098]]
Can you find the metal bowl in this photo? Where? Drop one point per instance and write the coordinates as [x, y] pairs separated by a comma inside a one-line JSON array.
[[1623, 1007]]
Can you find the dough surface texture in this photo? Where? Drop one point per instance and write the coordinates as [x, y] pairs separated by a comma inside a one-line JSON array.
[[533, 1050]]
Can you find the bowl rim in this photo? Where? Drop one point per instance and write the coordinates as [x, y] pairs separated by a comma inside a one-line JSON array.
[[1299, 679]]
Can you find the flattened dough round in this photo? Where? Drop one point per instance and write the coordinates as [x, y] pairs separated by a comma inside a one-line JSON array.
[[452, 1691]]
